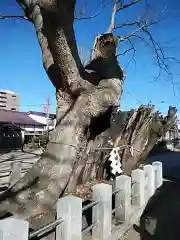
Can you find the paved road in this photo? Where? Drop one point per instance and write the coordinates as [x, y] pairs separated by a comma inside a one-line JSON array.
[[170, 160], [19, 154], [171, 164], [161, 219], [6, 159]]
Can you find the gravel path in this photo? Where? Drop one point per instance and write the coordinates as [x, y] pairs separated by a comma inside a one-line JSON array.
[[7, 159], [131, 234]]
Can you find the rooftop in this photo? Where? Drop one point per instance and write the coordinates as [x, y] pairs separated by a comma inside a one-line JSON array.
[[7, 91], [14, 117], [42, 114]]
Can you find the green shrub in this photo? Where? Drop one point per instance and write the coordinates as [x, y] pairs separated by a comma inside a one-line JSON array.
[[41, 141]]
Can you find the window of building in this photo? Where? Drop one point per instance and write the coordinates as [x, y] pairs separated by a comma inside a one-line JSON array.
[[3, 97], [3, 93]]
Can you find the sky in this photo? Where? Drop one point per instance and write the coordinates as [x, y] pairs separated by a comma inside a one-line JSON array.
[[21, 69]]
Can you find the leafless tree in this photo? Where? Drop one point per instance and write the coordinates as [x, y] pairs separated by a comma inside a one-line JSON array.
[[85, 99]]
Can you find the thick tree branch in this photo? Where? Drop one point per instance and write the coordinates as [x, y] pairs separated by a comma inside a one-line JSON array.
[[112, 22], [45, 33], [34, 15], [32, 12], [37, 192], [63, 97], [58, 27], [60, 58], [116, 9], [54, 26]]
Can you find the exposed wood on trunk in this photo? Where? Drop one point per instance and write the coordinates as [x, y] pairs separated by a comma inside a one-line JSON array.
[[85, 100], [135, 130]]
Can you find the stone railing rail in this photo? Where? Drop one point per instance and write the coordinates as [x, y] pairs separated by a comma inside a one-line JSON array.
[[131, 195]]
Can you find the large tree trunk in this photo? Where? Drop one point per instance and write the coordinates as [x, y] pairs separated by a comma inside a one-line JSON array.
[[85, 99], [134, 132], [60, 167], [65, 165]]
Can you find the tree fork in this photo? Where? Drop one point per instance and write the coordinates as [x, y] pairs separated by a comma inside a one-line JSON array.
[[60, 167]]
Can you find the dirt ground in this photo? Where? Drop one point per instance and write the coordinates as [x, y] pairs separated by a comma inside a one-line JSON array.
[[131, 234]]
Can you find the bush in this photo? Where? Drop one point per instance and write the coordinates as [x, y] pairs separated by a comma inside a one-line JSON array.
[[41, 141]]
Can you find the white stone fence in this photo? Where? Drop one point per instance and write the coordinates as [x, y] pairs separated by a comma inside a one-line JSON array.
[[131, 195]]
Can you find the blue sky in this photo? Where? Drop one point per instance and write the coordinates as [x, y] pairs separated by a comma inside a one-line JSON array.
[[21, 67]]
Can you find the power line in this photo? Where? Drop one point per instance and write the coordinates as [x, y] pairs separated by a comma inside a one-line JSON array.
[[28, 105]]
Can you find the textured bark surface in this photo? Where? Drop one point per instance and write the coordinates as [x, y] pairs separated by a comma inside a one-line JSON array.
[[86, 98], [135, 133], [82, 96], [144, 129]]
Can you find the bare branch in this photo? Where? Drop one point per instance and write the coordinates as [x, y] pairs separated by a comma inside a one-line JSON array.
[[111, 26], [76, 17], [160, 57], [60, 37], [3, 17], [87, 17], [133, 55], [116, 9], [123, 6], [126, 51], [61, 61], [140, 23], [81, 17], [141, 26], [126, 24], [36, 18]]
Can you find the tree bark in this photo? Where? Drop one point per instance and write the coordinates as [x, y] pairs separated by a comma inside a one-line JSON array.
[[85, 99], [135, 133], [60, 167]]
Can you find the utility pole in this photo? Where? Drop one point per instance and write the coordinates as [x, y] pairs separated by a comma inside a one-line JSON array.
[[47, 111]]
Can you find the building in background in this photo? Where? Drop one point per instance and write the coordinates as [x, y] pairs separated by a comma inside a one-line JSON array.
[[30, 127], [9, 100], [48, 119], [11, 137]]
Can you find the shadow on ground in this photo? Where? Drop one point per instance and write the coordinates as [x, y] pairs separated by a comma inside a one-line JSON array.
[[160, 147], [161, 217]]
